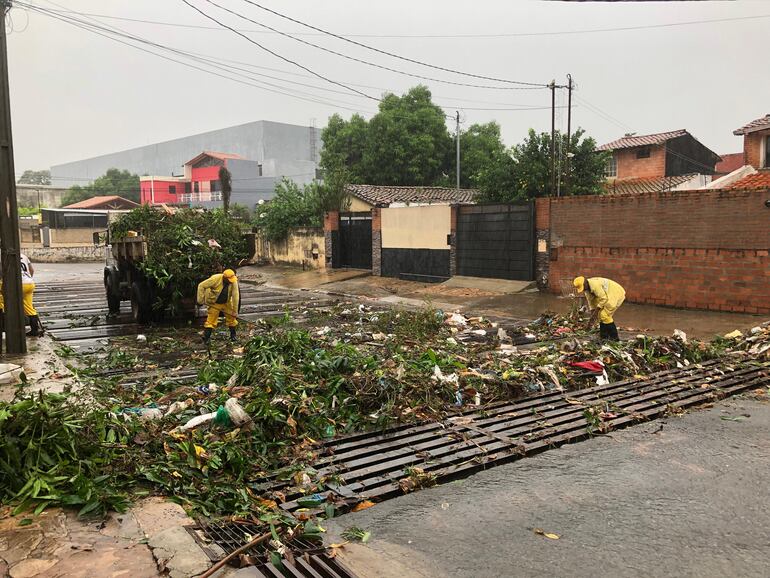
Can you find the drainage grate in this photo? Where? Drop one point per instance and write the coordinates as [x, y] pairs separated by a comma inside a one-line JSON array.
[[306, 566], [218, 538]]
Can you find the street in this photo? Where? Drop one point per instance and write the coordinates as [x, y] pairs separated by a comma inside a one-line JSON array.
[[686, 496]]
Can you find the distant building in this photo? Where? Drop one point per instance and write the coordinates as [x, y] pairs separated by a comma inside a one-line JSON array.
[[673, 160], [39, 196], [277, 149], [754, 173], [109, 203], [729, 163], [200, 185]]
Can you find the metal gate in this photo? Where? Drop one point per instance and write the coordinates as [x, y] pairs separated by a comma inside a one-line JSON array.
[[496, 241], [356, 240]]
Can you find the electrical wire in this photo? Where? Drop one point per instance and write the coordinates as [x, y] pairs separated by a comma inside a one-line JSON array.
[[445, 36], [277, 55], [387, 53], [361, 61]]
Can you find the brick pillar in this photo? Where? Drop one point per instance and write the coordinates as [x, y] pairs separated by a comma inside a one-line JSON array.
[[543, 240], [377, 242], [453, 240], [331, 238]]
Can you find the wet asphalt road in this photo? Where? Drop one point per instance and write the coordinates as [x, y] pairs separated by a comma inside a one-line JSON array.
[[692, 499]]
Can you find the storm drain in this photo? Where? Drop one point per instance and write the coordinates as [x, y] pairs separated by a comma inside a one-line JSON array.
[[308, 558]]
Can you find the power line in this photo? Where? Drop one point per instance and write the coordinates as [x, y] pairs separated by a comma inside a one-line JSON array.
[[391, 54], [285, 59], [442, 36], [110, 33], [359, 60]]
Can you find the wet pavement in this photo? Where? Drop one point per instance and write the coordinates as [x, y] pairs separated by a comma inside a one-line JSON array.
[[686, 496]]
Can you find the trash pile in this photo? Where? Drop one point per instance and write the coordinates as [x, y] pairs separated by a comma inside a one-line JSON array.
[[181, 243], [257, 412]]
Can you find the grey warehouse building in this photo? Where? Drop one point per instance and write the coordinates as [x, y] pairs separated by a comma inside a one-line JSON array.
[[278, 149]]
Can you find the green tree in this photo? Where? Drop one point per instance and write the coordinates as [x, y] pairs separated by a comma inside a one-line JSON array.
[[526, 172], [226, 180], [405, 143], [35, 178], [481, 147], [292, 206], [113, 182]]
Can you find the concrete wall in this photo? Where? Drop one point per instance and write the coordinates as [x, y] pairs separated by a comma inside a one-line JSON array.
[[303, 246], [73, 237], [424, 227], [413, 242], [65, 254], [693, 249], [256, 141], [358, 206], [46, 196]]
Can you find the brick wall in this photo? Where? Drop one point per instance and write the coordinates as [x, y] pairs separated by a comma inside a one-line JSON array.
[[752, 148], [331, 230], [694, 249], [630, 167]]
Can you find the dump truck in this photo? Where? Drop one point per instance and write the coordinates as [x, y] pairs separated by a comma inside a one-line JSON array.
[[124, 280]]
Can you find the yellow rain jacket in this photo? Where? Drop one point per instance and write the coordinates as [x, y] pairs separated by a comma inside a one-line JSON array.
[[209, 290], [605, 295]]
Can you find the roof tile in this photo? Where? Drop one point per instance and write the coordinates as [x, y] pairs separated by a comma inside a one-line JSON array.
[[759, 180], [643, 140], [754, 125], [96, 201], [645, 185], [382, 195]]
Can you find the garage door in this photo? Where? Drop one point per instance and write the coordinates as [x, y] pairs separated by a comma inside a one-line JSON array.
[[496, 241]]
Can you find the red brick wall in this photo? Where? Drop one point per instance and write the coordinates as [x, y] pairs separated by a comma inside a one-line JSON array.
[[695, 249], [752, 148], [630, 167]]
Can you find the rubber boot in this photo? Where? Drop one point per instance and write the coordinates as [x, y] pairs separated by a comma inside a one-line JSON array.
[[207, 331], [2, 321], [232, 334], [612, 332], [604, 331], [35, 329]]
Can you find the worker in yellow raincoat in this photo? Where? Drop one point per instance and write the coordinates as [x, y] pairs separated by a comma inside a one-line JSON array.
[[604, 296], [220, 294], [28, 290]]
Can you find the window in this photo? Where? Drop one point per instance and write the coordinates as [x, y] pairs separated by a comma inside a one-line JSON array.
[[767, 152], [172, 189], [215, 186], [188, 188], [196, 187], [643, 153], [611, 170]]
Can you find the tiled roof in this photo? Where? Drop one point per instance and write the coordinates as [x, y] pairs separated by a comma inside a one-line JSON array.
[[645, 185], [104, 200], [754, 125], [378, 195], [729, 163], [644, 140], [214, 154], [759, 180]]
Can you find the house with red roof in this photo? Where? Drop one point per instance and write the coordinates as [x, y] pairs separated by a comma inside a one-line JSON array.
[[673, 160], [200, 184], [754, 172], [107, 203]]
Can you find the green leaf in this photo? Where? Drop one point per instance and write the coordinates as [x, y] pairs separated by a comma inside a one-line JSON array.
[[89, 507]]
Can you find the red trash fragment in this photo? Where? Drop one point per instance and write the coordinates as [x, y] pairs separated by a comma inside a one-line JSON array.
[[592, 366]]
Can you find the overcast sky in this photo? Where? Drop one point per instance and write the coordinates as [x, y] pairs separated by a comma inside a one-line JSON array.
[[76, 94]]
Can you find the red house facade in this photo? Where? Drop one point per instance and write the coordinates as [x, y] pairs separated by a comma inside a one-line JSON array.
[[200, 182]]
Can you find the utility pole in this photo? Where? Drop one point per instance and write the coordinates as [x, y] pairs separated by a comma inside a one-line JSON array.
[[569, 134], [552, 86], [9, 216], [457, 138]]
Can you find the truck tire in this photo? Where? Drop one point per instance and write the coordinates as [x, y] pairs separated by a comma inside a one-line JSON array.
[[141, 310], [113, 299]]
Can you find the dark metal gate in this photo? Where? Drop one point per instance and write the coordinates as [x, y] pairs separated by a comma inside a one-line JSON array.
[[356, 240], [496, 241]]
